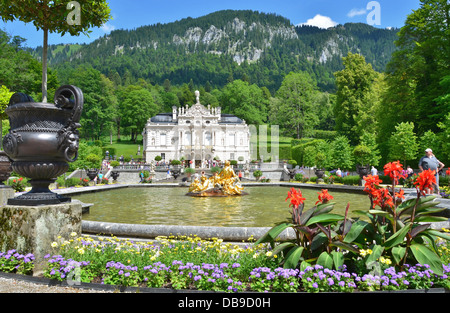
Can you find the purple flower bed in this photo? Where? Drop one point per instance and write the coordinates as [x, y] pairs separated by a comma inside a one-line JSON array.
[[227, 277]]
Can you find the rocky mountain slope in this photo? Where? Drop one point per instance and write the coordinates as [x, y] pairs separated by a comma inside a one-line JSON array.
[[229, 45]]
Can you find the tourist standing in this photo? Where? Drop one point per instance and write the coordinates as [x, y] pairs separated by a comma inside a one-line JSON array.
[[374, 171], [339, 172], [409, 171], [430, 162]]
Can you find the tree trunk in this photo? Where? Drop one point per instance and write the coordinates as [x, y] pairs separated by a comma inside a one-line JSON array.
[[44, 66]]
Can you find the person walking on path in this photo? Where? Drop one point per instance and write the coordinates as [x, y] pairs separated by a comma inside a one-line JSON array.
[[430, 162]]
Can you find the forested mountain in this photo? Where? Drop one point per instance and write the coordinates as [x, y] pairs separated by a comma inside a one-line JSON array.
[[217, 48]]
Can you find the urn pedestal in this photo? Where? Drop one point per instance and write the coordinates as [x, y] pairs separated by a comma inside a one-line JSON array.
[[42, 140], [362, 170]]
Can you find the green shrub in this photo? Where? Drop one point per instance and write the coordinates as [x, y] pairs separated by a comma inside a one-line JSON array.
[[114, 163], [71, 182], [112, 151], [257, 174], [351, 180]]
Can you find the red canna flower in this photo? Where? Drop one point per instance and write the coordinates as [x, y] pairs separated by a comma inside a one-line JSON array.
[[324, 196], [372, 183], [400, 194], [295, 197], [382, 198], [425, 180], [395, 171], [447, 172]]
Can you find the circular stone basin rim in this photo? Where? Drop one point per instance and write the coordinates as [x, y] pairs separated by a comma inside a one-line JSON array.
[[204, 232]]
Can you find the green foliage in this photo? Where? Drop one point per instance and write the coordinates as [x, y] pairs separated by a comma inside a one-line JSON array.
[[320, 237], [246, 101], [399, 231], [355, 102], [257, 174], [89, 157], [369, 140], [342, 153], [403, 143], [351, 180], [361, 154], [295, 99], [53, 17], [18, 183]]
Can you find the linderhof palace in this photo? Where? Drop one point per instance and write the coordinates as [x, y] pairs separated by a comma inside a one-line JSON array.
[[197, 134]]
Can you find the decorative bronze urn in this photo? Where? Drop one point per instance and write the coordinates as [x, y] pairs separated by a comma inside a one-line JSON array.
[[42, 140]]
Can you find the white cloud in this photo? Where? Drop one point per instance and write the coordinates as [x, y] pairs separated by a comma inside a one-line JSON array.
[[356, 12], [320, 21], [108, 27]]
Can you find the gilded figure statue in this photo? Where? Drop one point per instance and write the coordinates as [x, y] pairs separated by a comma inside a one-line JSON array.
[[226, 183]]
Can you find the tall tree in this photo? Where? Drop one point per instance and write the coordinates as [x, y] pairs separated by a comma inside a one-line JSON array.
[[342, 152], [60, 16], [417, 71], [245, 101], [355, 98], [295, 108], [100, 101], [136, 107], [403, 144]]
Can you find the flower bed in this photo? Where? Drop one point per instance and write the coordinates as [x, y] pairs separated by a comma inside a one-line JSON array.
[[211, 265], [394, 248]]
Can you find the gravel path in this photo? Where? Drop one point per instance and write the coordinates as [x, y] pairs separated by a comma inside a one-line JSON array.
[[8, 285]]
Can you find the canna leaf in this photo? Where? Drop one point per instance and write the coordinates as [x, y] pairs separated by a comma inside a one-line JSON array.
[[281, 247], [398, 237], [425, 256], [345, 246], [326, 260], [325, 218], [430, 219], [293, 257], [377, 251], [417, 230], [338, 259], [273, 233], [437, 233], [398, 253], [355, 231]]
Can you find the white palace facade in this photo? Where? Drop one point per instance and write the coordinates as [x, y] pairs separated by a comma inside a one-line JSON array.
[[198, 134]]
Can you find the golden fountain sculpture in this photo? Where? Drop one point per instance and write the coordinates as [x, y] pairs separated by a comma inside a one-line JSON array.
[[226, 183]]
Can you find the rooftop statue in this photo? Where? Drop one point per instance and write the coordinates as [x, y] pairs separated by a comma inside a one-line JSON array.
[[226, 183]]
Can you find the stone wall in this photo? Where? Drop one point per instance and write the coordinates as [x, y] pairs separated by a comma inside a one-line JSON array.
[[33, 229]]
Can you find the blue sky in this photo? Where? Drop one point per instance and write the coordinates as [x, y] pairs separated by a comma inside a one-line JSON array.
[[129, 14]]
